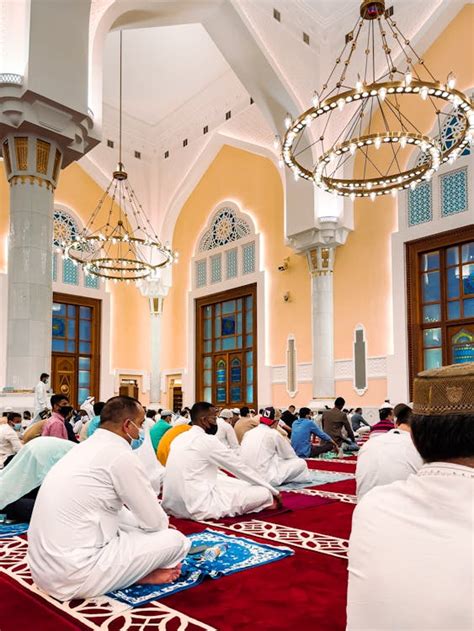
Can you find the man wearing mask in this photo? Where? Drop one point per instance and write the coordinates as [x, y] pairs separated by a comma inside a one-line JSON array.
[[194, 486], [9, 438], [41, 396], [111, 531], [55, 425]]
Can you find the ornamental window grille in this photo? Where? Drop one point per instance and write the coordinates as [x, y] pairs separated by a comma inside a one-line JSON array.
[[452, 130], [65, 228], [454, 192], [226, 228]]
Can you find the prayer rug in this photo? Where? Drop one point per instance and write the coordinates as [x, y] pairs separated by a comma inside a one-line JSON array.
[[317, 478], [225, 554], [10, 530], [291, 502]]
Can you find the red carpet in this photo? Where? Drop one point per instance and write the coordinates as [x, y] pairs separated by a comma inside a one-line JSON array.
[[304, 591]]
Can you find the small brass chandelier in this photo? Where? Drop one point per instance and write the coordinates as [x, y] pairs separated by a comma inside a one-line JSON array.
[[377, 126], [118, 242]]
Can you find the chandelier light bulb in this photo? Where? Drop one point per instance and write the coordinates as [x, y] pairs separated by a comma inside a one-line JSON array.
[[369, 185], [288, 121], [403, 142], [424, 93], [359, 84], [352, 196], [276, 141], [394, 192], [408, 77], [383, 93], [372, 196], [352, 148], [340, 104], [296, 175], [315, 99], [413, 186], [451, 80], [378, 142]]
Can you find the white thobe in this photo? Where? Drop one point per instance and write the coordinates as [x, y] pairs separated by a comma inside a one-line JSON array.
[[391, 457], [153, 467], [83, 542], [411, 554], [40, 398], [272, 456], [194, 488], [226, 434], [10, 444]]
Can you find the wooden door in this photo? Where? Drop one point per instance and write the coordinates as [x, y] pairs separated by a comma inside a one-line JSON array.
[[64, 376]]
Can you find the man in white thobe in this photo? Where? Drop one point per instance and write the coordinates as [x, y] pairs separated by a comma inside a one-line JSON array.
[[41, 402], [225, 432], [83, 542], [411, 550], [271, 455], [195, 488], [391, 457]]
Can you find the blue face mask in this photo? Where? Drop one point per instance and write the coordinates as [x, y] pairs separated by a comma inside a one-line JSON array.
[[17, 427], [137, 442]]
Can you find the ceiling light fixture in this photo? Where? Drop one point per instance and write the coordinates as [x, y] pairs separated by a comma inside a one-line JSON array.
[[118, 241], [379, 127]]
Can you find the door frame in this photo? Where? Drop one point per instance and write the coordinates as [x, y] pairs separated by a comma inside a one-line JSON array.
[[96, 304], [230, 294]]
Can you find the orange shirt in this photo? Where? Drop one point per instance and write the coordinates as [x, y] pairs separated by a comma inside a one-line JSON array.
[[164, 445]]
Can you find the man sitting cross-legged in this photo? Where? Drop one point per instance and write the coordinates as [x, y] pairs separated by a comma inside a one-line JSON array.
[[271, 455], [83, 542], [194, 487]]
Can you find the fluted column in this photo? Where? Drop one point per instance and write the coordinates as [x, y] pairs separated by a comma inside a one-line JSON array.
[[32, 166], [321, 265]]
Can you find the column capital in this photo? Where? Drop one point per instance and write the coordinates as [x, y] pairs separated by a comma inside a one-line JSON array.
[[321, 260], [24, 113], [156, 290], [329, 233]]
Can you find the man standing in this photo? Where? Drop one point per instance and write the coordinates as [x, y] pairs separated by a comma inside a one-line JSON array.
[[40, 396], [271, 455], [194, 487], [245, 423], [55, 425], [391, 457], [418, 533], [334, 421], [83, 542], [302, 431]]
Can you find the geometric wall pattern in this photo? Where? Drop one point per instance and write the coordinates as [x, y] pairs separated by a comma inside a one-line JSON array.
[[454, 192], [420, 204], [226, 227]]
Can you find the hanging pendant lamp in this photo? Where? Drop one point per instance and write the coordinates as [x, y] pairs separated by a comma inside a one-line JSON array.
[[370, 87], [118, 242]]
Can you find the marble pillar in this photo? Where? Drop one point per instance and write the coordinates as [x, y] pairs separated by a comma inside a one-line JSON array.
[[321, 265], [156, 291], [32, 166]]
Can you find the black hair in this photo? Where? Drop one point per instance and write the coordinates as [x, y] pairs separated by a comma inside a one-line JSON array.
[[358, 411], [304, 412], [441, 438], [13, 415], [244, 411], [198, 409], [56, 398], [384, 413], [98, 407], [339, 403], [404, 415], [118, 408], [292, 406], [261, 411], [150, 413], [44, 375], [27, 412]]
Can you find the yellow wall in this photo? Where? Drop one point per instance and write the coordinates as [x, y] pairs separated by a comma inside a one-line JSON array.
[[255, 185], [362, 275]]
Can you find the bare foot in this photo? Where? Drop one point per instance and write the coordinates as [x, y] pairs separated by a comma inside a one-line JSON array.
[[274, 505], [161, 576]]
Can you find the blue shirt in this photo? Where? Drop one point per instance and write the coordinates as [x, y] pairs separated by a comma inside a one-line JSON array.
[[301, 432]]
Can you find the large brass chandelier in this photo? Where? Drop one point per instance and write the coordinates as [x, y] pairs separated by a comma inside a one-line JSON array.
[[371, 103], [118, 242]]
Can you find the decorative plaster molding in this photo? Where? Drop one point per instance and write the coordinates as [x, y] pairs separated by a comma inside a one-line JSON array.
[[303, 373], [376, 369], [133, 373]]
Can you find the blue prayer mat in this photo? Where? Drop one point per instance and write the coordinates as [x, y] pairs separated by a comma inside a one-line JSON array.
[[317, 478], [11, 530], [224, 555]]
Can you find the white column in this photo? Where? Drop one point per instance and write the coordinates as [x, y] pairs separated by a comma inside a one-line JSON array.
[[32, 166], [156, 290], [321, 265]]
